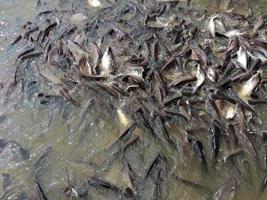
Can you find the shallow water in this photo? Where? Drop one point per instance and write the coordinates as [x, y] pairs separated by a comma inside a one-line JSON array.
[[79, 141]]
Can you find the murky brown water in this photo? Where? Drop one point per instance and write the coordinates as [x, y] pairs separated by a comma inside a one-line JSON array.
[[78, 140]]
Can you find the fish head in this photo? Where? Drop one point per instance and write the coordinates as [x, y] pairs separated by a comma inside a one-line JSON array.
[[211, 74]]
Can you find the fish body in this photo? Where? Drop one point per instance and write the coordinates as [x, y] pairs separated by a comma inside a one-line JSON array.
[[200, 78], [198, 149], [249, 86], [215, 135], [226, 191], [11, 151], [242, 57], [107, 63], [94, 3], [212, 25]]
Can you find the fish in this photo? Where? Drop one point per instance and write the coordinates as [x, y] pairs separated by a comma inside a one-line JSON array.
[[59, 89], [78, 18], [26, 51], [48, 75], [263, 184], [212, 25], [249, 86], [215, 135], [246, 170], [16, 40], [211, 106], [86, 109], [200, 75], [68, 31], [70, 191], [102, 183], [257, 25], [119, 33], [226, 109], [211, 74], [77, 51], [12, 151], [124, 119], [190, 183], [84, 67], [183, 113], [198, 149], [107, 63], [242, 57], [185, 78], [162, 132], [109, 89], [239, 8], [48, 28], [264, 149], [231, 137], [95, 3], [7, 180], [128, 193], [160, 87], [227, 190], [12, 189], [153, 164], [244, 136], [231, 33], [31, 55], [158, 185], [96, 56], [234, 98], [39, 190], [41, 161], [3, 118], [131, 175]]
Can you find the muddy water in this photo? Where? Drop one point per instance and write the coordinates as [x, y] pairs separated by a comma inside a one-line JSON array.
[[65, 141]]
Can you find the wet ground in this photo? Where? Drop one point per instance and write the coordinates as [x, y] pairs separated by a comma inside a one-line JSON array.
[[67, 145]]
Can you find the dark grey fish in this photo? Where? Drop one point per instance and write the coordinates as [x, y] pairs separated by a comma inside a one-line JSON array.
[[238, 100], [227, 190], [246, 171], [170, 99], [263, 184], [3, 118], [190, 183], [68, 31], [244, 136], [26, 51], [30, 29], [49, 28], [39, 191], [158, 186], [16, 40], [198, 150], [132, 175], [7, 180], [214, 138], [211, 106], [46, 12], [101, 183], [38, 165], [12, 151], [153, 164], [128, 193], [161, 131], [31, 55]]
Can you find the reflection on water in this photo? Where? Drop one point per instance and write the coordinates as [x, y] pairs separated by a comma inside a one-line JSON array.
[[67, 145]]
